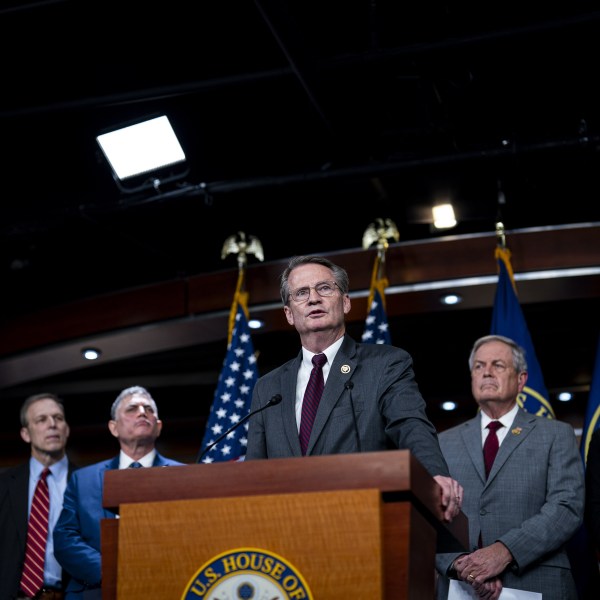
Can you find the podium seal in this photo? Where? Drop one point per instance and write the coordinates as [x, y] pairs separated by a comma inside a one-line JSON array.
[[247, 574]]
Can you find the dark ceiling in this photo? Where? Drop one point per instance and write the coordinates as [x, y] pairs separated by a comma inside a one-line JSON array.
[[303, 121]]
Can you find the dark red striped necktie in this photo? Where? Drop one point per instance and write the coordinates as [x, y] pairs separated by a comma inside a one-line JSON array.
[[32, 579], [312, 397]]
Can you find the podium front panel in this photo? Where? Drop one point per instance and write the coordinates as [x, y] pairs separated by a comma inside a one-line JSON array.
[[332, 540]]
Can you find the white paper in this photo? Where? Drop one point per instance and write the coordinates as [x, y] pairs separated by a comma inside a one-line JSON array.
[[459, 590]]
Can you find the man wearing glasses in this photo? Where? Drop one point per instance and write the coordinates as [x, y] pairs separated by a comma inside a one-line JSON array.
[[370, 400]]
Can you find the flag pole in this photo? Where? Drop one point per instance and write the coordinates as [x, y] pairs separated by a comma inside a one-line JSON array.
[[376, 327], [223, 440], [242, 247], [508, 320], [379, 231]]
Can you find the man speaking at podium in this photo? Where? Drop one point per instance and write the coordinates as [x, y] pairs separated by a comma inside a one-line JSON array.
[[352, 397]]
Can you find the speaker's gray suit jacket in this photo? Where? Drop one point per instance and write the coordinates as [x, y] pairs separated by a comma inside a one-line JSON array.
[[533, 500], [371, 402]]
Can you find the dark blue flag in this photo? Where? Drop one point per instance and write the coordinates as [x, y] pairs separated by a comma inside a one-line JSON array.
[[508, 320], [580, 548], [592, 413]]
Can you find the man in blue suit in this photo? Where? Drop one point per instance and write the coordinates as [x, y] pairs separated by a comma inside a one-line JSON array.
[[522, 514], [370, 401], [135, 423]]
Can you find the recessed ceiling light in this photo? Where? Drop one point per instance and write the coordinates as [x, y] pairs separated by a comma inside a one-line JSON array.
[[449, 405], [256, 324], [451, 299], [91, 353]]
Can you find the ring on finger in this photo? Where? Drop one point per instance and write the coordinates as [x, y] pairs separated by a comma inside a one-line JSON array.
[[470, 577]]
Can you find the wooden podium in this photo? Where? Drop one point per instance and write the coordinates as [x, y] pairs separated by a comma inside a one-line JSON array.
[[353, 525]]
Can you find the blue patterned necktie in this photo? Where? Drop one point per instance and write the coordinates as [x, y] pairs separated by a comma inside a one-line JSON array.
[[135, 465], [312, 397]]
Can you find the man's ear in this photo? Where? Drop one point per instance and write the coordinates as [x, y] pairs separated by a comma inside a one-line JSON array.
[[288, 314], [522, 380], [347, 304], [25, 435], [112, 427]]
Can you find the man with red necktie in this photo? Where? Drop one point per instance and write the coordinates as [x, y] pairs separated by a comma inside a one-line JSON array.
[[368, 399], [523, 485], [28, 567]]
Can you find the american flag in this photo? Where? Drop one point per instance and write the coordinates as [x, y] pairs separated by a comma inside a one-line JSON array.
[[233, 395], [376, 325]]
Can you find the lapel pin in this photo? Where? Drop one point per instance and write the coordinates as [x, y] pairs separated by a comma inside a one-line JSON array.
[[345, 369], [516, 430]]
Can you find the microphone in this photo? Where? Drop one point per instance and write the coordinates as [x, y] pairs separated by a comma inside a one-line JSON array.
[[350, 386], [276, 399]]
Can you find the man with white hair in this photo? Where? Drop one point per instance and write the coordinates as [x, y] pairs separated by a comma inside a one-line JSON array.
[[134, 422]]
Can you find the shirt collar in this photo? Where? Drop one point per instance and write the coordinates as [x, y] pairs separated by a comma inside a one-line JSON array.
[[330, 352], [506, 420], [145, 461], [58, 469]]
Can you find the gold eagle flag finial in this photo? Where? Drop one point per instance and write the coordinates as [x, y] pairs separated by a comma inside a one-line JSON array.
[[380, 231], [242, 246], [500, 235]]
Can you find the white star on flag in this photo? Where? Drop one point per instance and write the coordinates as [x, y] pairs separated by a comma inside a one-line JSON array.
[[376, 324]]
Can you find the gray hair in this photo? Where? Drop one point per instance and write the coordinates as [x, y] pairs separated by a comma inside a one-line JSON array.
[[36, 398], [339, 274], [135, 390], [518, 352]]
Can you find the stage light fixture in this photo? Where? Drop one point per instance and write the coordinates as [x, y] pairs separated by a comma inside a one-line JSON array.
[[144, 155], [443, 216]]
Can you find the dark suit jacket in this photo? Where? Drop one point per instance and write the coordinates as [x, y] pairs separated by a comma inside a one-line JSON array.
[[77, 532], [14, 488], [371, 402], [533, 500]]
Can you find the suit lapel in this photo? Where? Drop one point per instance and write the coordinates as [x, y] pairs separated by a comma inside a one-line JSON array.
[[522, 426], [19, 492], [289, 380], [108, 465], [471, 436]]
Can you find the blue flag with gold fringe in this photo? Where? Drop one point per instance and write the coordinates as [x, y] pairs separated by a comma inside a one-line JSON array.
[[592, 412], [581, 550], [233, 394], [508, 320]]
